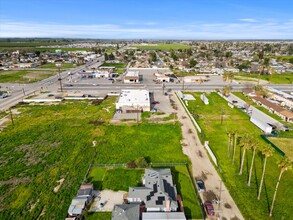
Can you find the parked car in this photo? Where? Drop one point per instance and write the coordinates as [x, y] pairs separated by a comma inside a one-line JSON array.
[[209, 208], [155, 102], [234, 101], [200, 186]]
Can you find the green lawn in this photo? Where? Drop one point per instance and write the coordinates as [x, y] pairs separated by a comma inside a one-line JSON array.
[[163, 47], [285, 144], [156, 142], [106, 178], [244, 196], [46, 144], [99, 216], [284, 78], [117, 65], [24, 76], [53, 66]]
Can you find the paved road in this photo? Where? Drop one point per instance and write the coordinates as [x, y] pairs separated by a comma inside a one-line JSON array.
[[18, 91]]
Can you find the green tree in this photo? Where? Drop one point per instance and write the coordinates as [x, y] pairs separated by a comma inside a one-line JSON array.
[[192, 63], [226, 91], [267, 151], [106, 56], [141, 162], [246, 144], [254, 146], [285, 164]]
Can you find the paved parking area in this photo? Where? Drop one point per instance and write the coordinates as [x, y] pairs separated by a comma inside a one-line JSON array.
[[164, 102]]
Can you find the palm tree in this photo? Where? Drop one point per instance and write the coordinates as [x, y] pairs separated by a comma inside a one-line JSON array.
[[226, 91], [285, 164], [230, 77], [246, 144], [235, 136], [230, 134], [254, 145], [225, 77], [267, 151]]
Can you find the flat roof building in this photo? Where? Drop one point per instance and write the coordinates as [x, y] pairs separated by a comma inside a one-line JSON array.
[[131, 77], [135, 100]]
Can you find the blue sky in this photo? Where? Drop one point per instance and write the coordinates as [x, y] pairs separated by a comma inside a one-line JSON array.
[[160, 19]]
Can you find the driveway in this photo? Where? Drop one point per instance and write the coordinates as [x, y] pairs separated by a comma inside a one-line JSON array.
[[202, 168]]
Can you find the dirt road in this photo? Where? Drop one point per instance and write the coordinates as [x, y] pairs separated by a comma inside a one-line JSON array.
[[202, 168]]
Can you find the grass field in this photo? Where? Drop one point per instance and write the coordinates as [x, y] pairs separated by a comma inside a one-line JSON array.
[[123, 143], [282, 58], [285, 144], [46, 144], [106, 178], [284, 78], [244, 196], [119, 66], [53, 66], [24, 76], [162, 47]]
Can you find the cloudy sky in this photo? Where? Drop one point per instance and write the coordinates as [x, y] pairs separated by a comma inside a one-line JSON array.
[[148, 19]]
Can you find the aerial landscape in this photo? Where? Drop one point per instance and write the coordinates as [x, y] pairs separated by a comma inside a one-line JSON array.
[[146, 110]]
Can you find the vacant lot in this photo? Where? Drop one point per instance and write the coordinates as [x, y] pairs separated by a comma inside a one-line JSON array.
[[24, 76], [163, 47], [106, 178], [47, 143], [285, 144], [209, 118], [284, 78]]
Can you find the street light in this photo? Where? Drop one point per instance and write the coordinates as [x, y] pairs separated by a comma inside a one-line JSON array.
[[58, 65]]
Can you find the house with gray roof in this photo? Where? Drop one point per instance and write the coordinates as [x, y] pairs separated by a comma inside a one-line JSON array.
[[126, 212], [158, 192]]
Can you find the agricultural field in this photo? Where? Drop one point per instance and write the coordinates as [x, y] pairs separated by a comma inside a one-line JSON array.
[[285, 144], [106, 178], [53, 66], [162, 47], [209, 119], [284, 78], [24, 76]]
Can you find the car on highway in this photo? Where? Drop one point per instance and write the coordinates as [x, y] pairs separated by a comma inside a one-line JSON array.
[[209, 208], [200, 186]]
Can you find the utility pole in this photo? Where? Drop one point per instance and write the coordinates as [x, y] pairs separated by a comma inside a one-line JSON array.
[[164, 88], [60, 79], [11, 117], [23, 92], [183, 83], [220, 194]]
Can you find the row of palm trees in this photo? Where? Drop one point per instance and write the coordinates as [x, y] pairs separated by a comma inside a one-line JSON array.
[[248, 142]]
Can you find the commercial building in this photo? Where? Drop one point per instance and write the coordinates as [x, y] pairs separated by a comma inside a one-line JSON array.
[[134, 101], [131, 77]]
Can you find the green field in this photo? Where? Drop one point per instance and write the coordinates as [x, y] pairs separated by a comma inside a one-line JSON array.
[[106, 178], [53, 66], [282, 58], [120, 67], [49, 143], [24, 76], [245, 197], [284, 78], [162, 47], [157, 143], [46, 144], [285, 144]]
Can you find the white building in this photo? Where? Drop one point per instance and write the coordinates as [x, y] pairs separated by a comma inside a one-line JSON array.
[[134, 101], [131, 77]]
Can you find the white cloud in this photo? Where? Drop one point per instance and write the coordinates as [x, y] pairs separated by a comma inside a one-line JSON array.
[[247, 30], [252, 20]]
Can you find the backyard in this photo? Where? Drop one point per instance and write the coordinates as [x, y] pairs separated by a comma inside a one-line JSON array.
[[24, 76], [209, 118]]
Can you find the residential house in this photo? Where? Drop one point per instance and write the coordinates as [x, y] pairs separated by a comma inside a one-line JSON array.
[[126, 212], [158, 192]]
